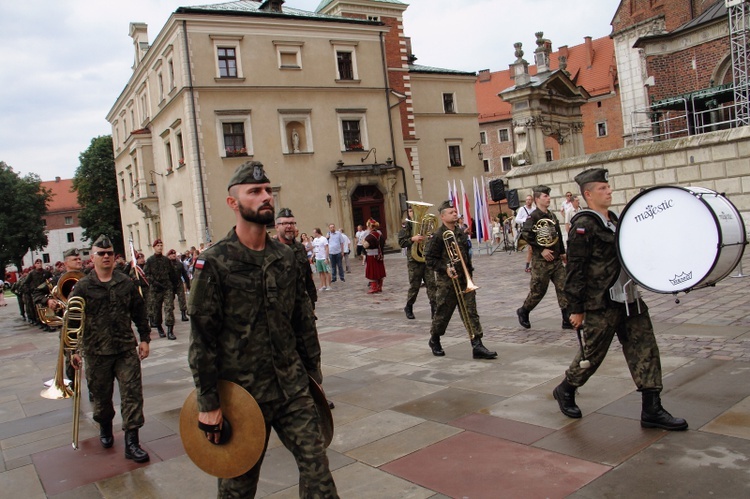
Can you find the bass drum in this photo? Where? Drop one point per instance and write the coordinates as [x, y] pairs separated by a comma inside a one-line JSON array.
[[672, 239]]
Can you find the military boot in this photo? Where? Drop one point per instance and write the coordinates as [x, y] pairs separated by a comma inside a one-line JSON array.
[[184, 316], [409, 311], [565, 394], [133, 447], [170, 333], [653, 415], [523, 317], [105, 434], [161, 331], [566, 320], [479, 351], [435, 346]]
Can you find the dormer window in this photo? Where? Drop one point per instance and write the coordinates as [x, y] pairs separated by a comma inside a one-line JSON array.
[[271, 5]]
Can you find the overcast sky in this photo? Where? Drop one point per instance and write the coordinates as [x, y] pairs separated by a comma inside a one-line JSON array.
[[63, 63]]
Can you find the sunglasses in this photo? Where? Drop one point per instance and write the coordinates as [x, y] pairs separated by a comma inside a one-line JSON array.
[[104, 253]]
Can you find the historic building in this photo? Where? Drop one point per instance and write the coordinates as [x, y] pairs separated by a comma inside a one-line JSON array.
[[331, 102]]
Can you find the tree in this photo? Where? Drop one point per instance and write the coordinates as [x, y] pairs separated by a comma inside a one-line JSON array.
[[23, 204], [95, 182]]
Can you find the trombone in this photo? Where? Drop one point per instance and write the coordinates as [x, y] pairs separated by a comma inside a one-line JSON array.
[[455, 257]]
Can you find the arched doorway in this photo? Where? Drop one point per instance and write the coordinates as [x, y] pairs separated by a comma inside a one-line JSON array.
[[368, 202]]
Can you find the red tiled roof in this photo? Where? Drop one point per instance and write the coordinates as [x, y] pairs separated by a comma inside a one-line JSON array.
[[597, 79], [63, 196]]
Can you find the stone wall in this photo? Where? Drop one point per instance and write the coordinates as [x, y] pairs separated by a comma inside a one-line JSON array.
[[718, 160]]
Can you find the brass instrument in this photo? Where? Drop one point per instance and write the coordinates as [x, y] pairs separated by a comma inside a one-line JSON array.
[[72, 333], [454, 257], [65, 285], [546, 233], [424, 225]]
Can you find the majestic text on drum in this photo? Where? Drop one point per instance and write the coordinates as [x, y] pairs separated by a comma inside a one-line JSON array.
[[652, 211]]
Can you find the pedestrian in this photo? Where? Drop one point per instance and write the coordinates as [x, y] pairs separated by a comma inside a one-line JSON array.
[[542, 232], [566, 204], [320, 252], [418, 272], [336, 253], [374, 266], [521, 215], [347, 250], [249, 278], [602, 309], [448, 275], [570, 212], [162, 281], [109, 347], [360, 236]]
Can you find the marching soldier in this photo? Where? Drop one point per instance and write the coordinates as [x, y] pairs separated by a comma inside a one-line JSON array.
[[162, 282], [593, 267], [183, 281], [418, 272], [542, 231], [286, 230], [438, 260]]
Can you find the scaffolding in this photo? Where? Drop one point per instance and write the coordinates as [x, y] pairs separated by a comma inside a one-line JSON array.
[[739, 15]]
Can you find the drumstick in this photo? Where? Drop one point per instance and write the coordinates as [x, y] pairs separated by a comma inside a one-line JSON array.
[[584, 363]]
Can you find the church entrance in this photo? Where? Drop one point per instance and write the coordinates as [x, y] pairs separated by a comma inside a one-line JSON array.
[[368, 202]]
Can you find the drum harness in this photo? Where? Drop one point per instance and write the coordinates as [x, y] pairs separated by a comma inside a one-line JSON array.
[[624, 290]]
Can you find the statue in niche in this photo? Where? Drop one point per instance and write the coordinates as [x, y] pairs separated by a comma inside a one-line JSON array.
[[295, 141]]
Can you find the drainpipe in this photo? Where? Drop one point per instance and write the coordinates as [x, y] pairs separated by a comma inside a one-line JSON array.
[[195, 131], [390, 119]]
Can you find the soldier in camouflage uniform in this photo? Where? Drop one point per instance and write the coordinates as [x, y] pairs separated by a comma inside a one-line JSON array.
[[437, 260], [110, 348], [417, 270], [252, 323], [542, 232], [593, 268], [286, 231], [183, 281], [36, 278], [162, 281]]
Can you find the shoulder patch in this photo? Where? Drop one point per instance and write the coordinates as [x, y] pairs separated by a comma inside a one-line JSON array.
[[199, 264], [580, 230]]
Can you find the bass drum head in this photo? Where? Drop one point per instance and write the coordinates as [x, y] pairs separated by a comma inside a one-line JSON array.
[[668, 239]]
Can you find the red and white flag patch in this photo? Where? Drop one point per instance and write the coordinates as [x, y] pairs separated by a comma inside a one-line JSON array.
[[199, 264]]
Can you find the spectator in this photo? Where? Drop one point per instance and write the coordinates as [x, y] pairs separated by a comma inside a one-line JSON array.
[[320, 251], [336, 253]]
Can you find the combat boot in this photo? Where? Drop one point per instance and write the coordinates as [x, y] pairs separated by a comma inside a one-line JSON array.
[[409, 311], [653, 415], [523, 317], [184, 316], [435, 346], [161, 331], [565, 394], [105, 434], [480, 351], [566, 320], [170, 333], [133, 447]]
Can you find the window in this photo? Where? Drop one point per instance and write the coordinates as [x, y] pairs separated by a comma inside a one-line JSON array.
[[45, 257], [503, 135], [483, 137], [227, 57], [170, 66], [346, 60], [353, 130], [144, 108], [236, 135], [160, 80], [44, 222], [373, 18], [345, 66], [122, 186], [168, 152], [601, 129], [548, 155], [454, 155], [506, 163], [352, 135], [234, 139], [132, 184], [180, 221], [71, 237], [486, 163], [68, 220], [180, 150], [448, 103]]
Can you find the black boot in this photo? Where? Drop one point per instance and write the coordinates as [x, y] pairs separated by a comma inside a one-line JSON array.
[[653, 415], [565, 394], [170, 333], [161, 331], [480, 351], [133, 447], [409, 312], [184, 316], [437, 348], [105, 434], [523, 317], [566, 320]]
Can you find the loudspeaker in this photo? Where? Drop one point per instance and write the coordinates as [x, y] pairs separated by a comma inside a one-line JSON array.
[[497, 190], [513, 203]]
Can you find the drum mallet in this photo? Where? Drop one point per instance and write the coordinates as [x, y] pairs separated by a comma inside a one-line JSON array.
[[584, 363]]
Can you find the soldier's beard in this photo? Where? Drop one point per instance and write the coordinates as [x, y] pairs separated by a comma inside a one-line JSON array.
[[258, 217]]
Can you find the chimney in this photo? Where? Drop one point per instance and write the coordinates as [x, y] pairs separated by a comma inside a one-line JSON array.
[[57, 179], [139, 33], [564, 51], [484, 75], [589, 51]]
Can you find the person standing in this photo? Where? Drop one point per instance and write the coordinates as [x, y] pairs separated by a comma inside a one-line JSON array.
[[336, 253], [439, 261], [521, 215], [347, 250], [542, 232], [360, 236], [574, 208], [183, 281], [247, 278], [566, 204], [418, 272], [162, 281], [593, 267], [320, 251], [374, 266], [109, 347]]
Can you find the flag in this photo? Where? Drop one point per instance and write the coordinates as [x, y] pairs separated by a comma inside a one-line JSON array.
[[486, 212], [467, 211], [480, 233], [455, 199]]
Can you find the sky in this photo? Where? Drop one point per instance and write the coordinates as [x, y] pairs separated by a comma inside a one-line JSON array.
[[63, 63]]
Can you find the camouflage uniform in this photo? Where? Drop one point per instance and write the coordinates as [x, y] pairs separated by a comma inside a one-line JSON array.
[[162, 281], [35, 279], [109, 346], [593, 267], [182, 277], [542, 271], [417, 271], [252, 323], [436, 259]]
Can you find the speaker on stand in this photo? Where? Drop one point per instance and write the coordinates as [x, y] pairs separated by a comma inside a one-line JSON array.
[[512, 196], [497, 190]]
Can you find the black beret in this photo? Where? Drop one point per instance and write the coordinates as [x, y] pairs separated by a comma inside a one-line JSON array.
[[102, 242], [592, 175], [70, 252], [445, 205], [284, 213], [542, 188], [250, 172]]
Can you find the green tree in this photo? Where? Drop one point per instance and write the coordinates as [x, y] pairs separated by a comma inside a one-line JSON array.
[[95, 182], [23, 204]]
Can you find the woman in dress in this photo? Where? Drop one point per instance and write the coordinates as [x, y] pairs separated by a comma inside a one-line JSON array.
[[374, 266]]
